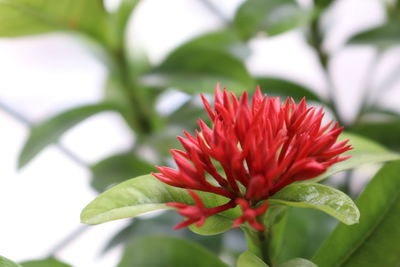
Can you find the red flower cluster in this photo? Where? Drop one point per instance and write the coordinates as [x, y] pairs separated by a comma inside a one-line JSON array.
[[250, 153]]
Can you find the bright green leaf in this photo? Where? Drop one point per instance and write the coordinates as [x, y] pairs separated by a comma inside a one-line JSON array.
[[384, 132], [198, 69], [284, 88], [297, 262], [49, 131], [384, 36], [143, 194], [26, 17], [122, 15], [116, 169], [165, 251], [4, 262], [272, 17], [320, 197], [249, 259], [364, 152], [375, 241], [50, 262]]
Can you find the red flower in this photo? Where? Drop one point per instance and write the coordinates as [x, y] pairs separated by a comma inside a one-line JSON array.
[[250, 153]]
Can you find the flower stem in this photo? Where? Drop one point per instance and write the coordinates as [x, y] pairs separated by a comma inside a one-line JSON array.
[[258, 243]]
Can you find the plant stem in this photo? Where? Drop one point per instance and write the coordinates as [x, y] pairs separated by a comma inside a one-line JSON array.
[[67, 240], [216, 11], [316, 40], [258, 243]]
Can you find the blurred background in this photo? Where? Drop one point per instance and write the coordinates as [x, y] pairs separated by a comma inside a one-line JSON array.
[[342, 54]]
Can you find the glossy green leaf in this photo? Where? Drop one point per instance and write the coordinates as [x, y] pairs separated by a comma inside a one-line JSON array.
[[375, 241], [198, 69], [140, 195], [50, 130], [320, 197], [50, 262], [116, 169], [4, 262], [384, 36], [284, 88], [26, 17], [297, 262], [364, 151], [165, 251], [384, 132], [249, 259], [272, 17]]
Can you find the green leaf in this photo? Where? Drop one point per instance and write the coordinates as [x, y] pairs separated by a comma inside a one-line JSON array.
[[384, 132], [169, 252], [284, 88], [4, 262], [320, 197], [272, 17], [249, 259], [303, 233], [364, 151], [144, 194], [116, 169], [384, 36], [50, 262], [297, 262], [122, 15], [196, 68], [375, 241], [50, 130], [26, 17]]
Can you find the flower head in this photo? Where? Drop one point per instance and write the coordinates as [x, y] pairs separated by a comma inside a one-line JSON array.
[[251, 152]]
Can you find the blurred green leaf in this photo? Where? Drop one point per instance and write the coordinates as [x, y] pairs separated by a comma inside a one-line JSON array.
[[118, 168], [364, 151], [303, 232], [385, 132], [26, 17], [249, 259], [165, 251], [50, 262], [284, 88], [194, 68], [297, 262], [222, 41], [143, 194], [323, 3], [272, 17], [186, 116], [162, 224], [50, 130], [383, 37], [122, 15], [375, 241], [320, 197], [4, 262]]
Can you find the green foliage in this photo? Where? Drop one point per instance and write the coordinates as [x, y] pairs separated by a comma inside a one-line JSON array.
[[321, 197], [50, 262], [284, 88], [143, 194], [206, 67], [385, 132], [165, 251], [297, 262], [383, 37], [25, 17], [249, 259], [375, 241], [4, 262], [50, 130], [364, 151], [269, 16], [117, 169]]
